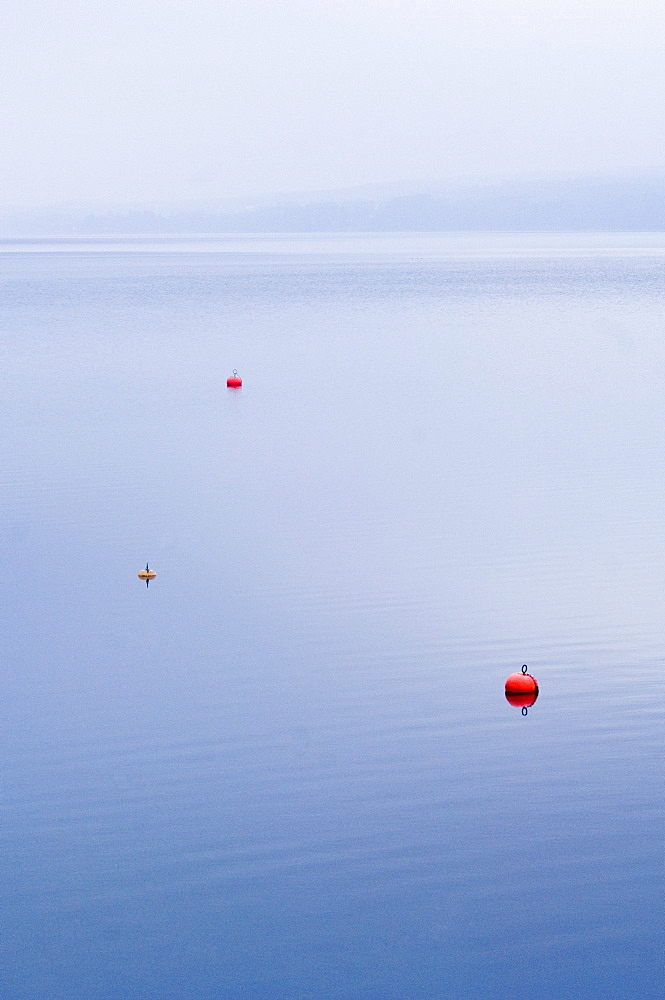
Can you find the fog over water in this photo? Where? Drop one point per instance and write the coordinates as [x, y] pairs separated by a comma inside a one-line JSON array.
[[150, 102], [287, 769]]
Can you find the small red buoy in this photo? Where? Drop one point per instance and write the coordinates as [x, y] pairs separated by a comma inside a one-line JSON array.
[[522, 683], [234, 381]]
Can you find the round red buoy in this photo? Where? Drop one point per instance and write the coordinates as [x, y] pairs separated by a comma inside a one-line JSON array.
[[234, 381], [522, 683]]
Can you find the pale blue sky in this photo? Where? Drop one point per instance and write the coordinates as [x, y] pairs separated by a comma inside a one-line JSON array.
[[149, 101]]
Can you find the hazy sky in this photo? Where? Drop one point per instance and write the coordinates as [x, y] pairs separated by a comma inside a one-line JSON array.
[[132, 101]]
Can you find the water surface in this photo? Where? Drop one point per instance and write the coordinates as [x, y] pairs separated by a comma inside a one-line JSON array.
[[287, 768]]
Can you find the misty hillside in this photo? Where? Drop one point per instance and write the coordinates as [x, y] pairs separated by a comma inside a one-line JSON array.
[[580, 204]]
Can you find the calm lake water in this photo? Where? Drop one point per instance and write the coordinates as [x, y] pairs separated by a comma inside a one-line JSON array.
[[287, 769]]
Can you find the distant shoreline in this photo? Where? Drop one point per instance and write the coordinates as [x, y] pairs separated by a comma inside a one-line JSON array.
[[414, 243], [573, 205]]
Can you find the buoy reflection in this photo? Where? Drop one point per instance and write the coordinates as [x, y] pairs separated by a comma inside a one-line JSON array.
[[522, 699]]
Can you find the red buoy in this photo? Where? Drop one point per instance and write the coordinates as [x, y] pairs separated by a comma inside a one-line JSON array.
[[234, 381], [522, 683]]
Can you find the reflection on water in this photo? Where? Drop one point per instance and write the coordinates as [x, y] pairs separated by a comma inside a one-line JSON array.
[[289, 769], [523, 701]]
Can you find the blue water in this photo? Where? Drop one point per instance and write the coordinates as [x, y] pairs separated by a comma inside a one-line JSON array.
[[287, 769]]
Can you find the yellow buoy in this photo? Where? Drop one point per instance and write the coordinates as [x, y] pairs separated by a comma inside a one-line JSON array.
[[147, 573]]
